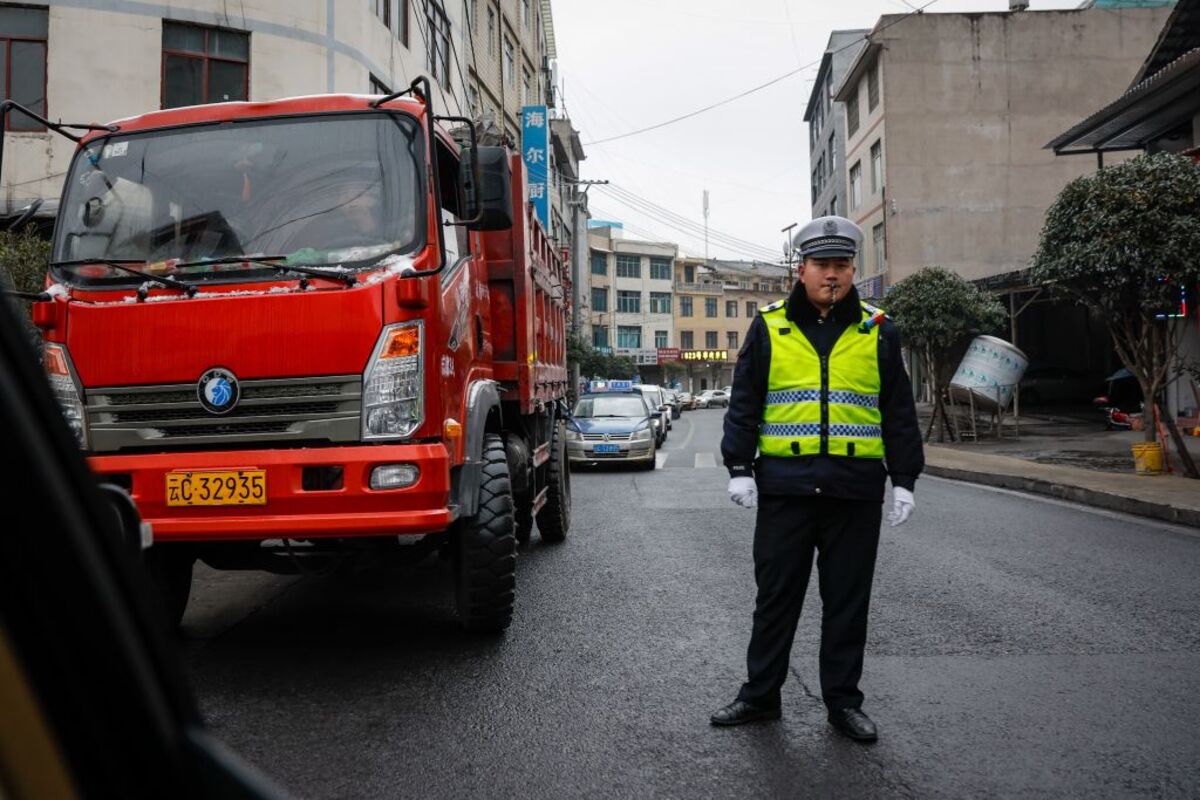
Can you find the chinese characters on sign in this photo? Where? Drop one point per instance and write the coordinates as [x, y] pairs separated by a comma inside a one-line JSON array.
[[535, 143], [705, 355]]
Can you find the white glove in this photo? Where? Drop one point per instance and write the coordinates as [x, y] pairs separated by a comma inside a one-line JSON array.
[[744, 492], [903, 504]]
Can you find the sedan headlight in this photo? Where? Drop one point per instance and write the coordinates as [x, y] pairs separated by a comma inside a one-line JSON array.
[[393, 399], [64, 383], [642, 435], [574, 435]]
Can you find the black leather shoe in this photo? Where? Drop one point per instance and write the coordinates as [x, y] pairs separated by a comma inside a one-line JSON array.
[[854, 723], [740, 712]]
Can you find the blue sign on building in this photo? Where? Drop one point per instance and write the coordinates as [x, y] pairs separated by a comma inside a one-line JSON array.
[[535, 150]]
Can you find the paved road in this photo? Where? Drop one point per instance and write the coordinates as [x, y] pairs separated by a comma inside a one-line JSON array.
[[1018, 647]]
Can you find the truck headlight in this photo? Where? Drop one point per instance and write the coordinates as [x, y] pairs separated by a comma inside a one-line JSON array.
[[64, 384], [393, 399], [642, 435]]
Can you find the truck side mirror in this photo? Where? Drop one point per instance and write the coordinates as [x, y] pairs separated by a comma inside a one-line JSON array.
[[488, 201]]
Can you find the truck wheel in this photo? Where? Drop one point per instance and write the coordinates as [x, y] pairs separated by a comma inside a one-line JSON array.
[[523, 517], [169, 568], [486, 552], [554, 518]]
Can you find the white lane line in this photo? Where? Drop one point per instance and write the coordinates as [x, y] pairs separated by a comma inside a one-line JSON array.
[[706, 461], [691, 429]]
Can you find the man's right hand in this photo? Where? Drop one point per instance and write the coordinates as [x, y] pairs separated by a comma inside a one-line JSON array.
[[744, 492]]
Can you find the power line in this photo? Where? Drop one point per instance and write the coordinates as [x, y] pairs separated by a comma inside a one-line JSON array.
[[657, 237], [758, 88]]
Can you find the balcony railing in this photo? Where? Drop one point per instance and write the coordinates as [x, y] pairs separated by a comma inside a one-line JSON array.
[[699, 288]]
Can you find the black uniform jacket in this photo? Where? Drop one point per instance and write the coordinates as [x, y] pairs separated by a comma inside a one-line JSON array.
[[824, 475]]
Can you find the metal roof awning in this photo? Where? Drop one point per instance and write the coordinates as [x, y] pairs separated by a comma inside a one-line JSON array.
[[1153, 108]]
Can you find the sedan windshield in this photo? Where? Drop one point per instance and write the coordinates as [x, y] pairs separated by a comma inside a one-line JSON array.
[[326, 190], [611, 406]]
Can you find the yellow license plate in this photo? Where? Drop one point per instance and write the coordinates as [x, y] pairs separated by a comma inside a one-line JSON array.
[[246, 487]]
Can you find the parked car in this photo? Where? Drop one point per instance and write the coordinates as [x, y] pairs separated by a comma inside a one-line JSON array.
[[712, 397], [673, 401], [728, 390], [613, 424], [658, 403], [686, 401], [1049, 385]]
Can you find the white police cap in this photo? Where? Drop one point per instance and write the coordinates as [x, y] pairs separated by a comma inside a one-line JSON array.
[[829, 237]]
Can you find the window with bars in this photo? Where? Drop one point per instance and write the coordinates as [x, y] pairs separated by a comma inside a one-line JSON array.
[[599, 299], [204, 65], [660, 302], [873, 87], [876, 166], [599, 264], [23, 35], [731, 339], [710, 340], [852, 115], [710, 308], [687, 340], [629, 302], [685, 306], [731, 308], [629, 266], [629, 336], [437, 29], [660, 269], [660, 339]]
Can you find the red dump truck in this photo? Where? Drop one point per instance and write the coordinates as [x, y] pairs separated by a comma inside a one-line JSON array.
[[313, 331]]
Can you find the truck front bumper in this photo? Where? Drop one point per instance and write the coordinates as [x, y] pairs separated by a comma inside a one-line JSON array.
[[291, 510]]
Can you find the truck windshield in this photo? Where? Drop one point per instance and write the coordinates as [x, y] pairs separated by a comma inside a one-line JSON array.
[[322, 191]]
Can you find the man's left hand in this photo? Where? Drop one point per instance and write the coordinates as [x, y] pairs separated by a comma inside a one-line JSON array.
[[903, 504]]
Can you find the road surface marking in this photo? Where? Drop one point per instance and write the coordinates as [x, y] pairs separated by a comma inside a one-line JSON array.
[[706, 461]]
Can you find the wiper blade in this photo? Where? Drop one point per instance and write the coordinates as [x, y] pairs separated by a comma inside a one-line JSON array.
[[123, 266], [269, 261]]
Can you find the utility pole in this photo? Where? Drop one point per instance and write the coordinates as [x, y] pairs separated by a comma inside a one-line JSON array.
[[788, 251], [706, 225]]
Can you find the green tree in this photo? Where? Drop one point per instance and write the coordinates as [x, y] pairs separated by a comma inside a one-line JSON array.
[[24, 255], [936, 311], [595, 364], [1123, 241]]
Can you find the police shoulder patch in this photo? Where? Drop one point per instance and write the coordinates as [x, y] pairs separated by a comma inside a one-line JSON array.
[[778, 304]]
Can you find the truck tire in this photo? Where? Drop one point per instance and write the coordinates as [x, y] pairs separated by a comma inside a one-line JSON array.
[[523, 517], [554, 518], [169, 568], [486, 550]]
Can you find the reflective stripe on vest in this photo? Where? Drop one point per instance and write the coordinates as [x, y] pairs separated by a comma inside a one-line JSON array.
[[797, 421]]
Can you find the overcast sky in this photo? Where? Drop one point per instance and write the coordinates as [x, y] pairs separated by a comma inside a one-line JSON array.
[[628, 64]]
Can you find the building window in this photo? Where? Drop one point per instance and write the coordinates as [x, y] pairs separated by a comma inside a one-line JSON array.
[[379, 87], [710, 340], [750, 309], [877, 235], [710, 308], [731, 308], [852, 115], [660, 338], [437, 26], [833, 206], [876, 166], [685, 306], [401, 26], [526, 17], [832, 156], [660, 302], [599, 298], [204, 65], [687, 340], [629, 336], [873, 87], [731, 339], [491, 31], [660, 269], [23, 34], [600, 336], [599, 263], [856, 185], [689, 274], [629, 302], [383, 10], [629, 266], [509, 64]]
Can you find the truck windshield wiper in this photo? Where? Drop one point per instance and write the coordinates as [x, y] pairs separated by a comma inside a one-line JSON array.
[[270, 261], [123, 266]]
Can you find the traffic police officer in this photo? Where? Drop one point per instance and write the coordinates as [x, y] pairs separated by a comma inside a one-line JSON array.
[[820, 393]]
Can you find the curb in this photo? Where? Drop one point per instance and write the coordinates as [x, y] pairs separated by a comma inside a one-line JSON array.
[[1074, 494]]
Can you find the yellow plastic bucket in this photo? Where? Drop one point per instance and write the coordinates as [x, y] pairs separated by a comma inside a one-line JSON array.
[[1147, 458]]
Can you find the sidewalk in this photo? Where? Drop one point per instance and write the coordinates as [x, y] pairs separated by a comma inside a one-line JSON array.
[[1072, 459]]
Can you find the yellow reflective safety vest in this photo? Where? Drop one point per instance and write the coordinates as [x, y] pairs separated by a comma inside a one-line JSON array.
[[822, 405]]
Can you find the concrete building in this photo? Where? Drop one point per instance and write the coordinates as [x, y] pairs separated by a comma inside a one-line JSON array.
[[946, 119], [99, 60], [827, 124], [715, 302], [630, 297]]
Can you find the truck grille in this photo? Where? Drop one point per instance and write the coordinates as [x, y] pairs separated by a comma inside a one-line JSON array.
[[309, 409]]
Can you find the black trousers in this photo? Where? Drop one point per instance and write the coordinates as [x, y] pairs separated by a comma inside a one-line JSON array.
[[845, 536]]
